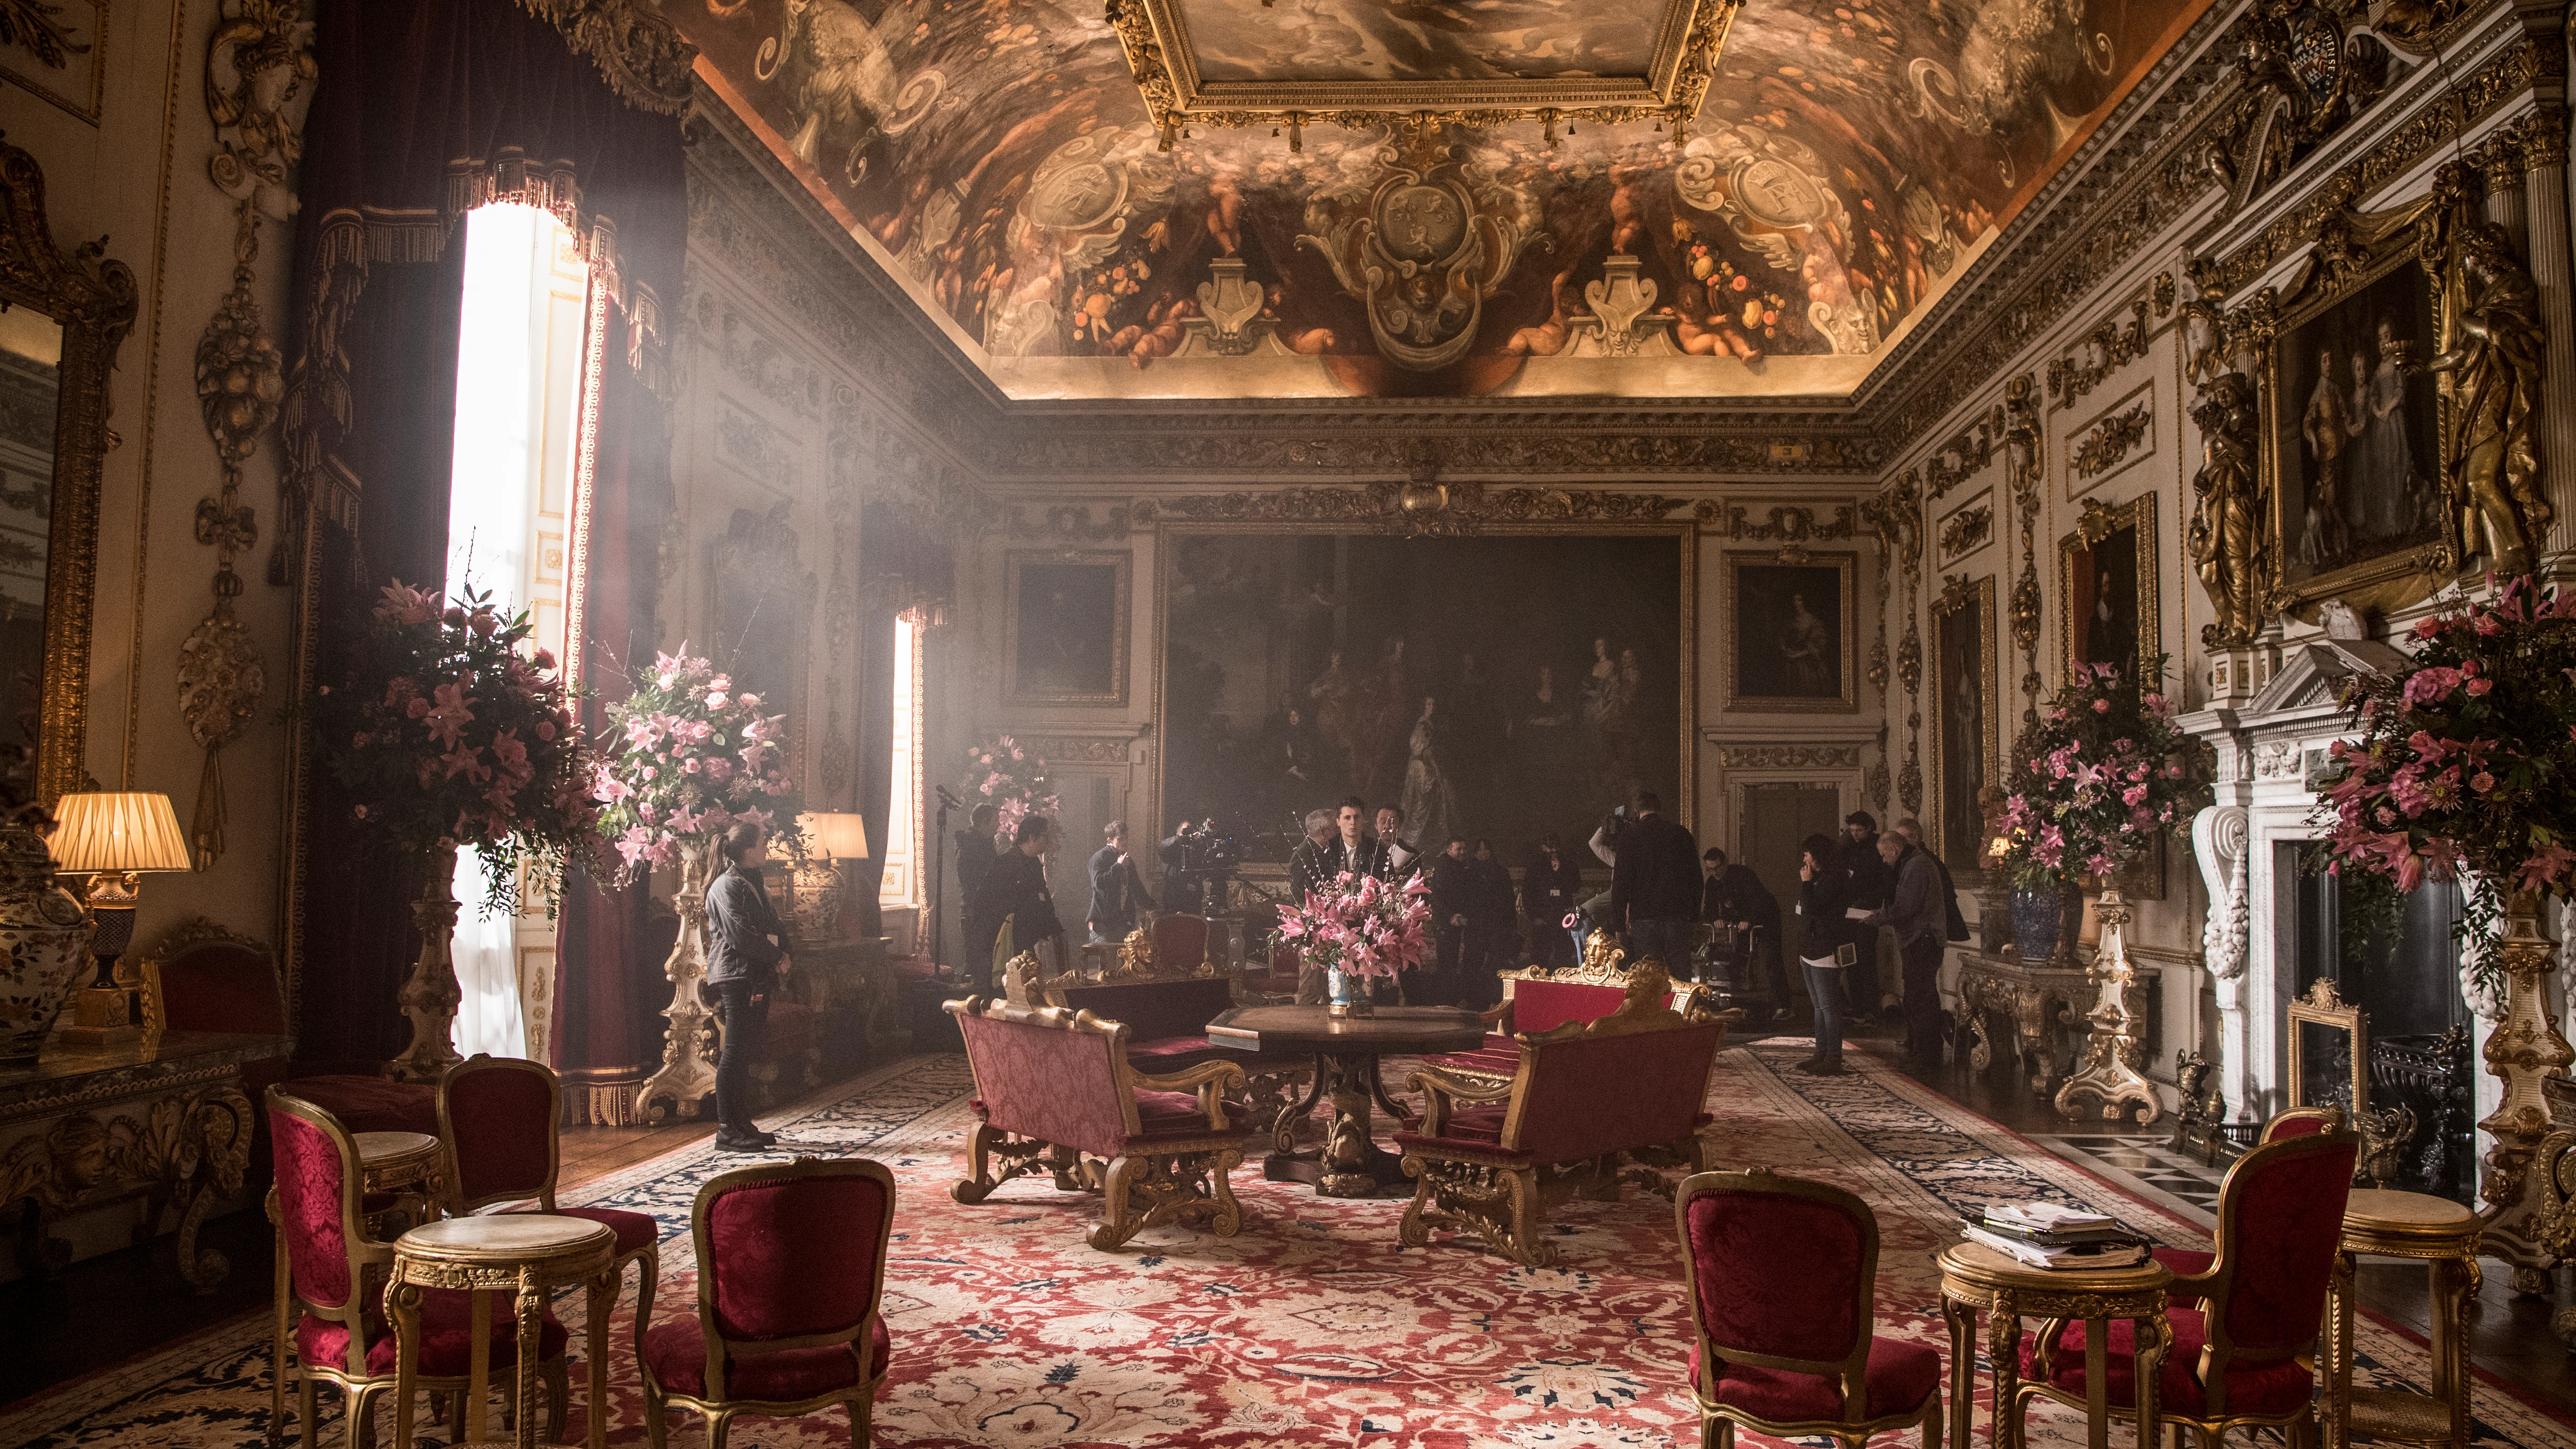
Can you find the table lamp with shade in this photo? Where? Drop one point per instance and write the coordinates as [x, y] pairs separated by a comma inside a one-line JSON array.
[[830, 838], [112, 837]]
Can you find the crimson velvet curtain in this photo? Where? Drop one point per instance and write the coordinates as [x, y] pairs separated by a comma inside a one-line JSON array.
[[424, 110]]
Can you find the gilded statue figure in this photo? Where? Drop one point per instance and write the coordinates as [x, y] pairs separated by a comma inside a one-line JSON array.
[[2491, 467], [2227, 521]]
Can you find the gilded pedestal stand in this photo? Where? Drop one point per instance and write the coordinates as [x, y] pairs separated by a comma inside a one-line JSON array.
[[2524, 1049], [430, 996], [686, 1077], [2114, 1053]]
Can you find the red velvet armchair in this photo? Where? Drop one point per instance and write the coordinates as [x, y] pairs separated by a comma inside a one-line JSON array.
[[2189, 1263], [1786, 1343], [497, 1118], [791, 1265], [330, 1291], [1054, 1089], [2245, 1327], [1491, 1156]]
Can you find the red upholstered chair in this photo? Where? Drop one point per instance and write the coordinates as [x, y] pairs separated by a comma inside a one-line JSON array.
[[1180, 943], [1632, 1082], [330, 1290], [205, 977], [2190, 1263], [497, 1117], [1053, 1089], [1786, 1343], [2244, 1331], [791, 1263]]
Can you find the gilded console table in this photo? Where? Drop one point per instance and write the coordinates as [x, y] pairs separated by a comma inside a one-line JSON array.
[[2038, 1003], [161, 1118]]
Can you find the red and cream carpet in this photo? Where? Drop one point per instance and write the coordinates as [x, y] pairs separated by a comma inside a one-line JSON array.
[[1314, 1327]]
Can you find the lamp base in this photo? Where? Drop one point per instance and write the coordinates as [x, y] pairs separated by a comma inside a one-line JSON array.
[[101, 1016]]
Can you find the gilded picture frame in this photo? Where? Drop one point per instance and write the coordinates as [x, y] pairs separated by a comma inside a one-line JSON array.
[[1965, 755], [1778, 643], [2110, 559], [1065, 626], [2323, 1007]]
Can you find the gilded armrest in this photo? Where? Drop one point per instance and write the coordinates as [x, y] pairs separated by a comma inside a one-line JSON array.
[[1208, 1079], [1495, 1018], [1439, 1089]]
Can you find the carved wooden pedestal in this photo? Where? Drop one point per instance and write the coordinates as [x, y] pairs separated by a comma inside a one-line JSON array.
[[2033, 1003], [163, 1119], [686, 1077]]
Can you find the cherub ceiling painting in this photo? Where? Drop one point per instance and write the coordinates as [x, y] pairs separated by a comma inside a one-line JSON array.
[[1848, 159]]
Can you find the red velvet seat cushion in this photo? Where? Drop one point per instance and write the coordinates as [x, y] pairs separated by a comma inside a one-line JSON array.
[[1161, 1115], [1172, 1053], [635, 1231], [371, 1104], [446, 1337], [1900, 1377], [1485, 1061], [2264, 1389], [1478, 1129], [676, 1352]]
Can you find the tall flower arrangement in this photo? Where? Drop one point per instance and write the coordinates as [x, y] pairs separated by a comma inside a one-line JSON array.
[[454, 731], [1003, 774], [687, 755], [2468, 761], [1366, 927], [2098, 776]]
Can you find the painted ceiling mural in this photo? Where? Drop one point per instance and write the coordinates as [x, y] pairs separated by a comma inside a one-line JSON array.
[[1851, 157]]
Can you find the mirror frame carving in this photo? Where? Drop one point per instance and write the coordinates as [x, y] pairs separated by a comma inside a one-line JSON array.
[[2322, 1005], [93, 296]]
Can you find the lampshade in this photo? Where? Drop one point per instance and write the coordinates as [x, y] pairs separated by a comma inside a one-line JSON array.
[[112, 832], [840, 836]]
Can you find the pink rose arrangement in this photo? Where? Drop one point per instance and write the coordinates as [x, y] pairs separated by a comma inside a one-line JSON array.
[[1364, 927], [2099, 775], [687, 755], [2467, 762], [1003, 774], [453, 730]]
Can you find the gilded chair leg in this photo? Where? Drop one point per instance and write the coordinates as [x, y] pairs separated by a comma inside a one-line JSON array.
[[1413, 1232], [1716, 1433], [362, 1418], [861, 1412], [979, 1183], [1117, 1224], [1932, 1422], [1529, 1221], [657, 1426], [557, 1375], [718, 1422], [648, 1271], [1229, 1213]]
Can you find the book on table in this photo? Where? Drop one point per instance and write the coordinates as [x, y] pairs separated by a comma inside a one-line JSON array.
[[2050, 1235]]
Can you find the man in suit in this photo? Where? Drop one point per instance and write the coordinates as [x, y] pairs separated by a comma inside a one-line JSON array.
[[975, 857], [1016, 891], [1654, 889], [1401, 857], [1356, 851], [1915, 912], [1732, 895], [1309, 865], [1117, 892], [1871, 883], [1453, 915]]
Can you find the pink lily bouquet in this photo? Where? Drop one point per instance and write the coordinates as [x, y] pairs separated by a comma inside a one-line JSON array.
[[2467, 762], [454, 731], [1006, 776], [1366, 927], [688, 756], [2099, 775]]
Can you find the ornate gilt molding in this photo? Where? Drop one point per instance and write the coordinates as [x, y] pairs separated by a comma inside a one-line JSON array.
[[1792, 525], [1416, 506], [2026, 465], [2110, 441], [1078, 749], [1069, 521], [2109, 346], [1974, 446], [1789, 757], [639, 54], [1967, 530]]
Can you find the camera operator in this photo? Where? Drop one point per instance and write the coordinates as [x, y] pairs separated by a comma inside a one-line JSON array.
[[1654, 889], [1117, 893], [1196, 861]]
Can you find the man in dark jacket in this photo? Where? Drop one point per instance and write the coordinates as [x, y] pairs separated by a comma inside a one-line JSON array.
[[1825, 930], [1654, 889], [1871, 881], [1732, 895], [1551, 887], [1452, 879], [1117, 892], [1491, 928], [975, 856], [1914, 910], [1016, 891], [746, 949], [1310, 864]]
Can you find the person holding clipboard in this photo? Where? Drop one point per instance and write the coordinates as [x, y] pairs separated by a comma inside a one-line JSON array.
[[1828, 944]]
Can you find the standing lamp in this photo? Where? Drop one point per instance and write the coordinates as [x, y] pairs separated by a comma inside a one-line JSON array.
[[833, 838], [113, 837]]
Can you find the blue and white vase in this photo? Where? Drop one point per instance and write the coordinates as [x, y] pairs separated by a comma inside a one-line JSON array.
[[1348, 992], [2036, 919]]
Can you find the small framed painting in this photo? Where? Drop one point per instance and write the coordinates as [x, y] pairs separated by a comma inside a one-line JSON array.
[[1788, 633], [1066, 620], [2107, 605], [1963, 720]]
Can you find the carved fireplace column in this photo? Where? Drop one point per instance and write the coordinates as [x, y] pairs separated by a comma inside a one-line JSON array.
[[2541, 138], [2219, 843]]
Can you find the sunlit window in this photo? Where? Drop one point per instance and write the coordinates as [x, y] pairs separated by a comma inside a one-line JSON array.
[[902, 885], [519, 398]]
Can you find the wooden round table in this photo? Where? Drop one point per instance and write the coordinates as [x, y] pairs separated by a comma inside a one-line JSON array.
[[2444, 1235], [521, 1253], [1976, 1278], [1346, 1049]]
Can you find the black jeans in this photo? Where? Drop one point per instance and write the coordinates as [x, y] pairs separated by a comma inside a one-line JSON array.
[[1922, 960], [746, 1022]]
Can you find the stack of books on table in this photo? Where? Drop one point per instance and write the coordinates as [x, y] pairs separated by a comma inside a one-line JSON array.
[[2052, 1235]]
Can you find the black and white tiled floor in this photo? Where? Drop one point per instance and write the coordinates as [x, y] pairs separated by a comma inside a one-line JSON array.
[[2145, 1163]]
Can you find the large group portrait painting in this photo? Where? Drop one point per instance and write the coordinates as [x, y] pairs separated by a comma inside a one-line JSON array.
[[1493, 688], [2360, 427]]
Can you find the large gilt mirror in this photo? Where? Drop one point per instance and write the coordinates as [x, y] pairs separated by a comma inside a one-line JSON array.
[[62, 314]]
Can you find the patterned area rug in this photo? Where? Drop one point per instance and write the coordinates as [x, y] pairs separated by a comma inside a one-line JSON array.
[[1313, 1327]]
